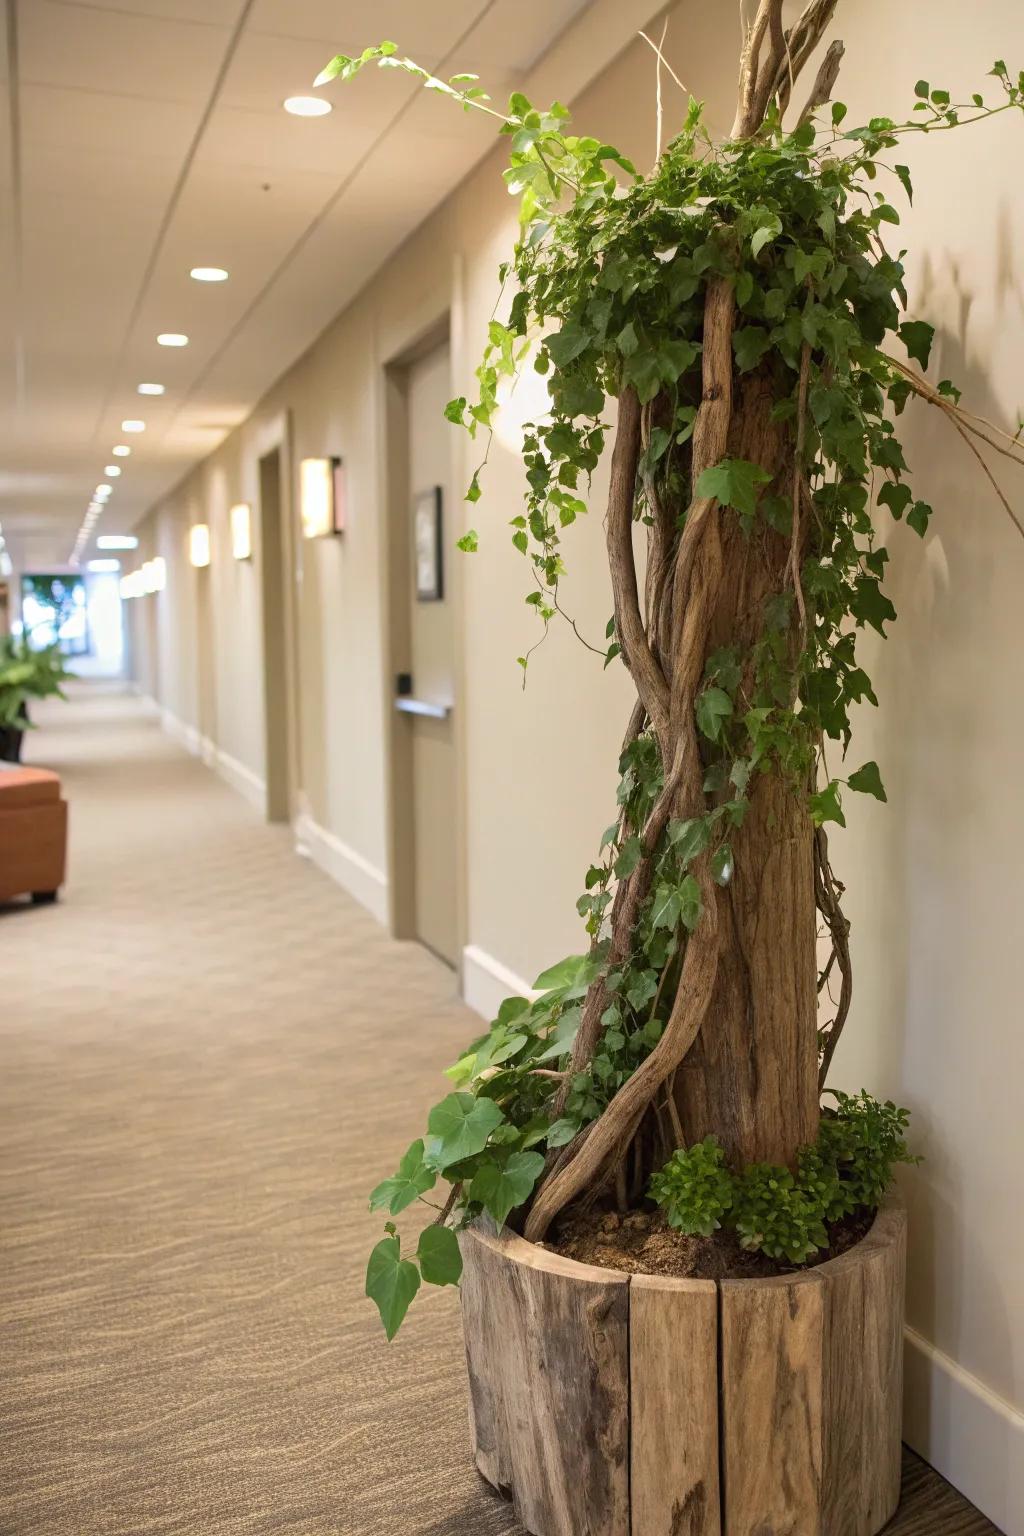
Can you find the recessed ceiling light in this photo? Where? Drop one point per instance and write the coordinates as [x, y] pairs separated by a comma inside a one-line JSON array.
[[117, 541], [209, 274], [113, 470], [133, 426], [103, 491], [150, 389], [103, 565], [120, 450], [307, 106], [172, 339]]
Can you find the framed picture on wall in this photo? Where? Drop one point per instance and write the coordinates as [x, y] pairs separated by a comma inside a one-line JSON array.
[[426, 525]]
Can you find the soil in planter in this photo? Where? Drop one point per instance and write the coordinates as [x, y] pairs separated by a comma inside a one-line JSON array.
[[643, 1243]]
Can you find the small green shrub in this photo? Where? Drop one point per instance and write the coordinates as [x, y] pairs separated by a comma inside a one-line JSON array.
[[780, 1213], [695, 1188], [774, 1213]]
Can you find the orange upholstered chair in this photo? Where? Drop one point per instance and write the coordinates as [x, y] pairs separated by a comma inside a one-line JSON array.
[[33, 834]]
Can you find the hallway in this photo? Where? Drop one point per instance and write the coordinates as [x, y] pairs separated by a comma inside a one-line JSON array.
[[192, 1109]]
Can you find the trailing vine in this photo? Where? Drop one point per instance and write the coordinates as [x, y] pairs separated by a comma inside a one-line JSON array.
[[739, 314]]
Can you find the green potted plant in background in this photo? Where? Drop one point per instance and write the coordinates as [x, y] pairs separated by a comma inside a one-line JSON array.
[[25, 673], [730, 1355]]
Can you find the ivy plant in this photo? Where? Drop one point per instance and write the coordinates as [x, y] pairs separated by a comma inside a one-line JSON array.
[[734, 324]]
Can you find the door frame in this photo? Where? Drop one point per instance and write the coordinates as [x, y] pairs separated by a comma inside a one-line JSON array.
[[275, 435], [433, 324]]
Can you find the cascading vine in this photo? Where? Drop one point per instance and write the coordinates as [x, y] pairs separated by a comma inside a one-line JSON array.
[[737, 305]]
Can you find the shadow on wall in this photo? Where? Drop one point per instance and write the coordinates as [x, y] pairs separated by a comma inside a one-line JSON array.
[[934, 739]]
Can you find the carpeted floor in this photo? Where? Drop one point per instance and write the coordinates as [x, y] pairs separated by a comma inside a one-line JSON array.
[[208, 1054]]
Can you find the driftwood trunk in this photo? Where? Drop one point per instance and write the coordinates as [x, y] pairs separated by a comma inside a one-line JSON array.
[[738, 1055], [752, 1076]]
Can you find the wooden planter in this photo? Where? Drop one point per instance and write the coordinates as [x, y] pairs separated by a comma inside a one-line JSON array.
[[608, 1404]]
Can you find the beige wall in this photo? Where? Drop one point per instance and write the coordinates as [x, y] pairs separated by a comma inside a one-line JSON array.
[[932, 876]]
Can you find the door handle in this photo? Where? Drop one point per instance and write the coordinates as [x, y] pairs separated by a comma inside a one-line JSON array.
[[409, 706]]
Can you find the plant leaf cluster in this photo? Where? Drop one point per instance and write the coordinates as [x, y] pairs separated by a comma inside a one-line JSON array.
[[609, 278], [783, 1213]]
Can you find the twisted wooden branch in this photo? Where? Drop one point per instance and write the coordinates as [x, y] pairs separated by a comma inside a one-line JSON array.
[[618, 1124], [636, 649], [827, 899]]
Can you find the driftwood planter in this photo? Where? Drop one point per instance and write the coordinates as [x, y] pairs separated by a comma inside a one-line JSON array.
[[608, 1404]]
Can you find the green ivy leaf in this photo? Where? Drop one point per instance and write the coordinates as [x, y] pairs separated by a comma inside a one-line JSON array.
[[690, 903], [391, 1282], [917, 336], [568, 343], [713, 706], [826, 806], [567, 976], [688, 838], [734, 483], [666, 907], [917, 517], [439, 1256], [469, 543], [765, 232], [750, 344], [868, 781], [461, 1123], [896, 496], [721, 864], [628, 858], [501, 1187], [412, 1180]]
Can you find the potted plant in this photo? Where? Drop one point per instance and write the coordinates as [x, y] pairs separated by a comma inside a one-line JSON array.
[[729, 1355], [24, 674]]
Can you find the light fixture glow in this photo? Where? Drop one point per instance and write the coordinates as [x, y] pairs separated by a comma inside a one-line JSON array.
[[209, 274], [307, 106], [103, 565], [172, 339], [112, 469], [154, 574], [199, 545], [133, 426], [117, 541], [241, 531], [120, 450], [316, 497], [149, 389], [103, 491]]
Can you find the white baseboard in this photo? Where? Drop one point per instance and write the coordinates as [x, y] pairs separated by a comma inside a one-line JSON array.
[[233, 772], [241, 778], [185, 735], [965, 1431], [486, 982], [350, 869]]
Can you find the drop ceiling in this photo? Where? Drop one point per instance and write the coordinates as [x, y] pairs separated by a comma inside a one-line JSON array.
[[144, 137]]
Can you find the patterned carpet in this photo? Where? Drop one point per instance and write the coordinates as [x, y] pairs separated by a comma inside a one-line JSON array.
[[193, 1103]]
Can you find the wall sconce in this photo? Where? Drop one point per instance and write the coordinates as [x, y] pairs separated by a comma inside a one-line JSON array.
[[241, 531], [154, 574], [199, 545], [322, 497], [132, 585]]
